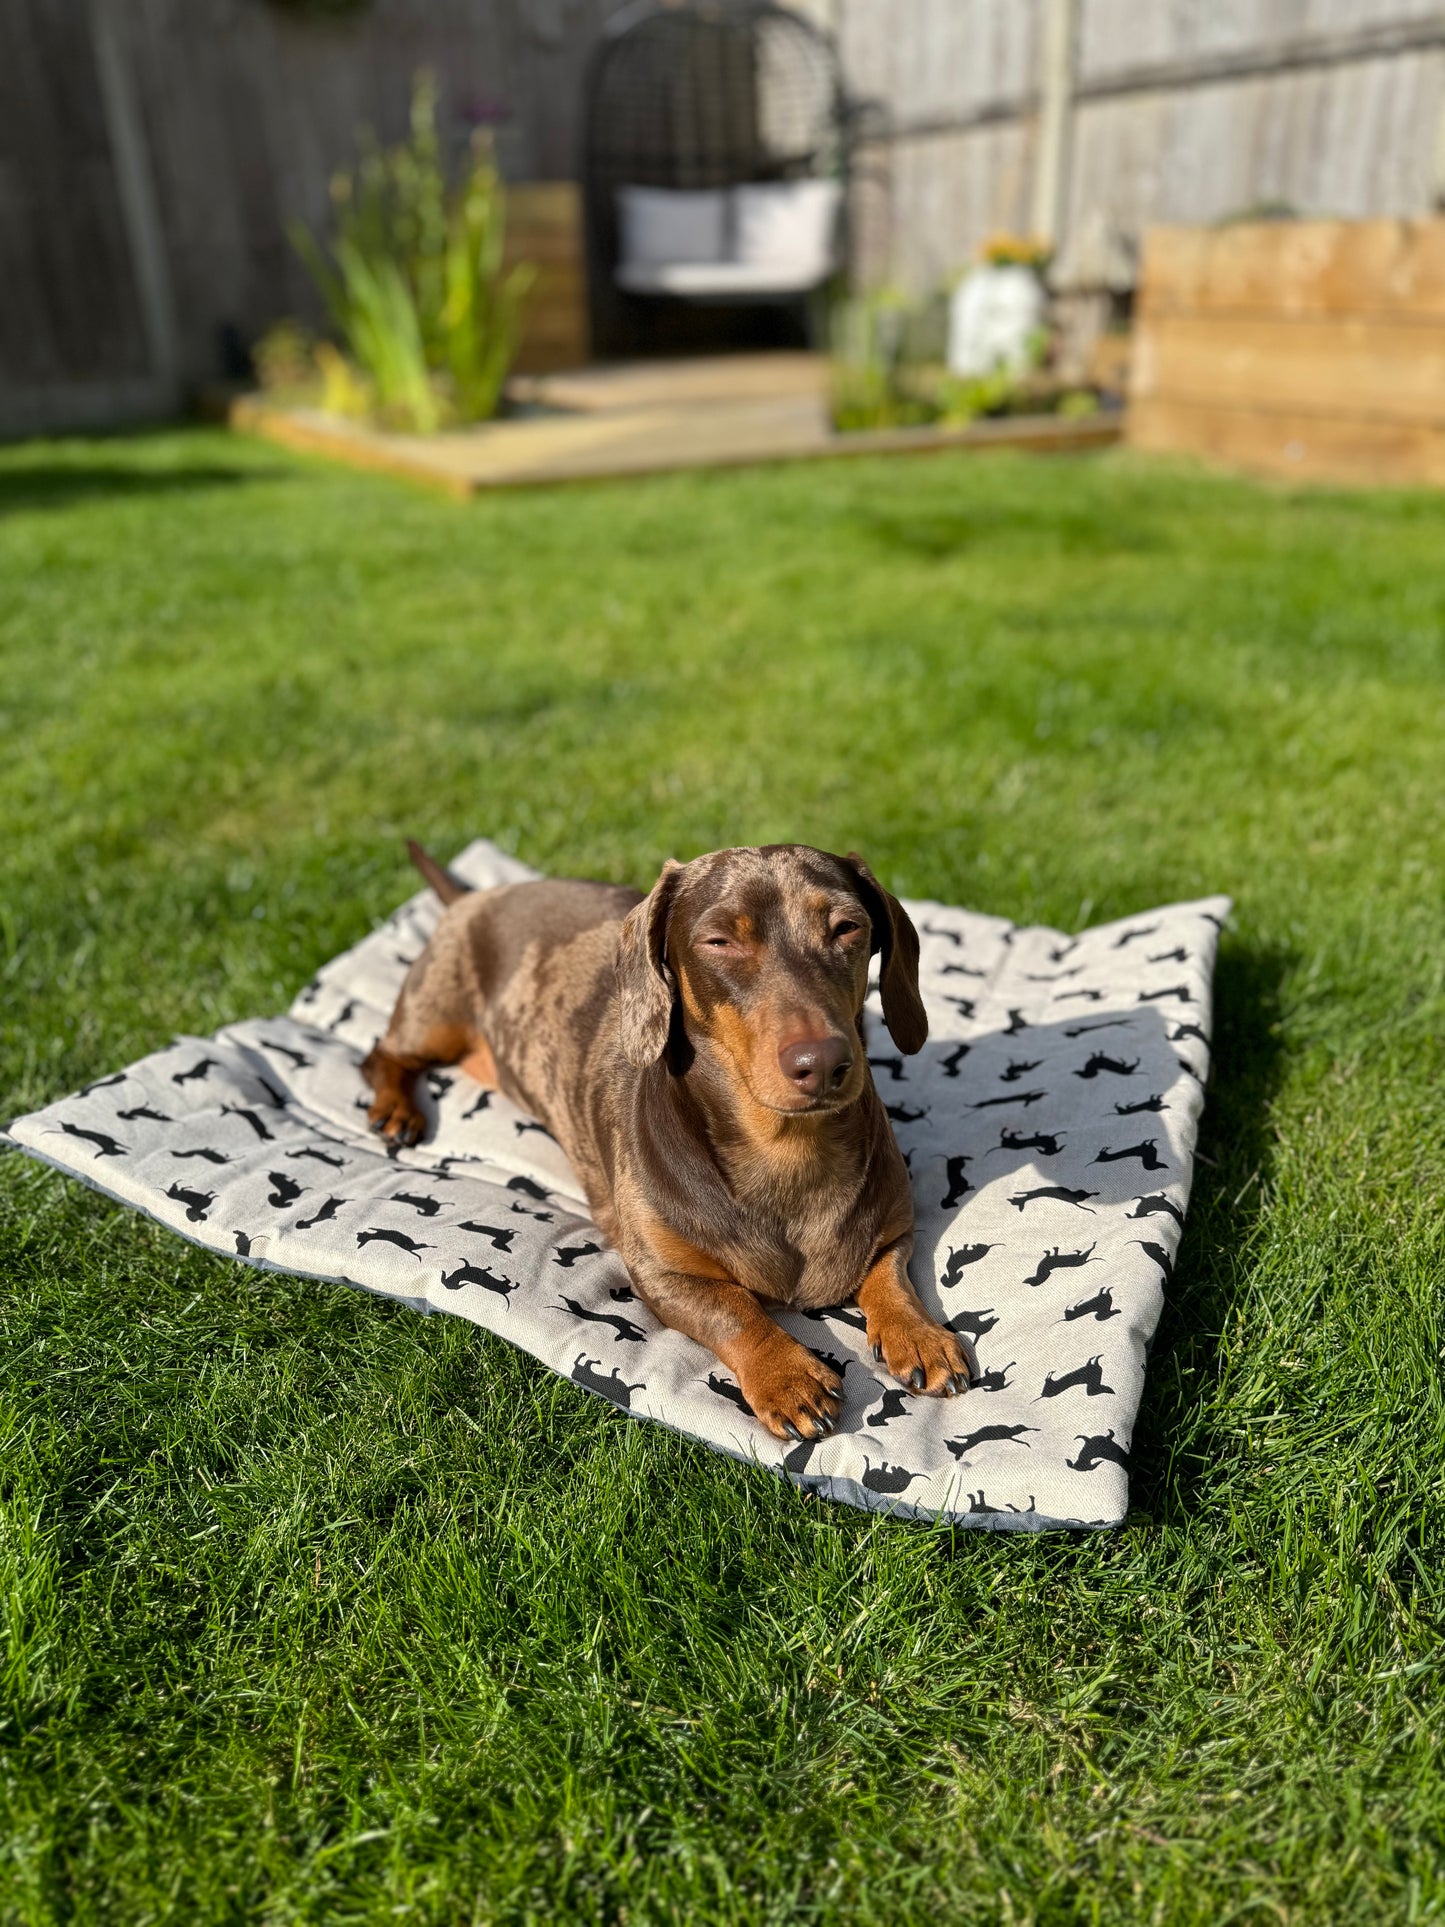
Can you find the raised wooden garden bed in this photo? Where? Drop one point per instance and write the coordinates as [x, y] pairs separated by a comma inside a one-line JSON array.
[[1311, 349]]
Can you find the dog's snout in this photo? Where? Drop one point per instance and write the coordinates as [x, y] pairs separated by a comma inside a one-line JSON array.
[[816, 1065]]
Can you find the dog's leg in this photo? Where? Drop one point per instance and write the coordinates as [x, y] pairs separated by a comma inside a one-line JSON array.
[[918, 1352], [794, 1394], [391, 1069]]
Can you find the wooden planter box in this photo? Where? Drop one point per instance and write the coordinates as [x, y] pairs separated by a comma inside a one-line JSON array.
[[1309, 349], [544, 226]]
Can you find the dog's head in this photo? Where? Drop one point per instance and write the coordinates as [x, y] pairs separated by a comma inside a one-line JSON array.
[[762, 956]]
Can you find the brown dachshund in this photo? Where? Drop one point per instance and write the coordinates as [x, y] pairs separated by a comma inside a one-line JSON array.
[[698, 1054]]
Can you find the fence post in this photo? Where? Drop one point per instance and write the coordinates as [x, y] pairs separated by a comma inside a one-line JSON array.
[[1056, 86]]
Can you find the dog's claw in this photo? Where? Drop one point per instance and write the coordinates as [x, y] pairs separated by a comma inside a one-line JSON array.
[[918, 1378], [878, 1353], [792, 1430]]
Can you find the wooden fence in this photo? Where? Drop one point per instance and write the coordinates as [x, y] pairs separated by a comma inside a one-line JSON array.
[[153, 151]]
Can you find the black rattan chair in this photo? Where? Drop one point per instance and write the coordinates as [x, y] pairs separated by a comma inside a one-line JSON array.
[[715, 94]]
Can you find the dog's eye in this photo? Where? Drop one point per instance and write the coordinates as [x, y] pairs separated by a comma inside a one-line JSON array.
[[716, 943], [844, 929]]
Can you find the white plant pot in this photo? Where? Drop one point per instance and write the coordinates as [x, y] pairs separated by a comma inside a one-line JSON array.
[[991, 316]]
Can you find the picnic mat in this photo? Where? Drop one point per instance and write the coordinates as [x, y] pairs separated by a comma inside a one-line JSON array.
[[1048, 1124]]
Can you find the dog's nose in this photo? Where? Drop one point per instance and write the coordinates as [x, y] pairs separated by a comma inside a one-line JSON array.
[[816, 1065]]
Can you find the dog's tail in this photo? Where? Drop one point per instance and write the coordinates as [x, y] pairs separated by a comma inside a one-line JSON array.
[[445, 885]]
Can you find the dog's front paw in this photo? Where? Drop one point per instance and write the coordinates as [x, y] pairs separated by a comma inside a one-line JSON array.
[[396, 1118], [922, 1355], [794, 1394]]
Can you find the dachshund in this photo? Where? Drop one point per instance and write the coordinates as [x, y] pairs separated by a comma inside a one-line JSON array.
[[698, 1053]]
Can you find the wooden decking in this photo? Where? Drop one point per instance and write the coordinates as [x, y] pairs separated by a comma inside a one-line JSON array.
[[645, 418]]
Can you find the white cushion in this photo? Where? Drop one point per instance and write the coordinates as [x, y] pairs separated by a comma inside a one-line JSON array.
[[662, 225], [786, 224], [702, 278]]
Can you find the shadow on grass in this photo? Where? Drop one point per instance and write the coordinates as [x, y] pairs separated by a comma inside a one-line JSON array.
[[1173, 1448], [59, 485]]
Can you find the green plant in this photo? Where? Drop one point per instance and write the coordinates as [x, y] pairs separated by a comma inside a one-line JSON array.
[[414, 279]]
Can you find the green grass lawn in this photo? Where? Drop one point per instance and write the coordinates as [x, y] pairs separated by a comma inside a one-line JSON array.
[[317, 1611]]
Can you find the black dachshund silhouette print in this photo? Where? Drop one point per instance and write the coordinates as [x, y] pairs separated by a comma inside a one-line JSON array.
[[544, 1216], [102, 1083], [971, 1324], [990, 1435], [623, 1327], [327, 1212], [478, 1105], [1133, 936], [1099, 1062], [901, 1114], [1052, 976], [725, 1388], [1016, 1023], [248, 1117], [567, 1255], [1177, 955], [438, 1083], [949, 1065], [958, 1260], [321, 1157], [198, 1071], [1104, 1023], [1181, 991], [501, 1236], [958, 1184], [197, 1203], [478, 1275], [588, 1372], [1060, 1193], [1090, 1375], [344, 1015], [622, 1294], [978, 1503], [529, 1189], [893, 1404], [276, 1097], [1157, 1205], [1057, 1260], [243, 1244], [893, 1065], [1154, 1103], [144, 1110], [284, 1190], [1100, 1307], [1082, 996], [1161, 1258], [1018, 1067], [522, 1125], [384, 1235], [297, 1058], [1043, 1142], [838, 1365], [838, 1315], [1064, 950], [960, 970], [886, 1478], [1096, 1451], [424, 1207], [1185, 1065], [1147, 1153], [943, 936], [105, 1145], [1181, 1031], [1014, 1097], [995, 1379], [965, 1006], [203, 1151], [795, 1460]]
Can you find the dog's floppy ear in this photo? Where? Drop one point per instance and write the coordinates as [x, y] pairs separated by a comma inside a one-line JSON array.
[[897, 940], [647, 986]]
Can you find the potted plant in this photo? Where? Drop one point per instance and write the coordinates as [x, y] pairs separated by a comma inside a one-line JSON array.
[[998, 309]]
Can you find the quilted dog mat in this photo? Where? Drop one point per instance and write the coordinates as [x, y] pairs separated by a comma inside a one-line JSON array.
[[1049, 1126]]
